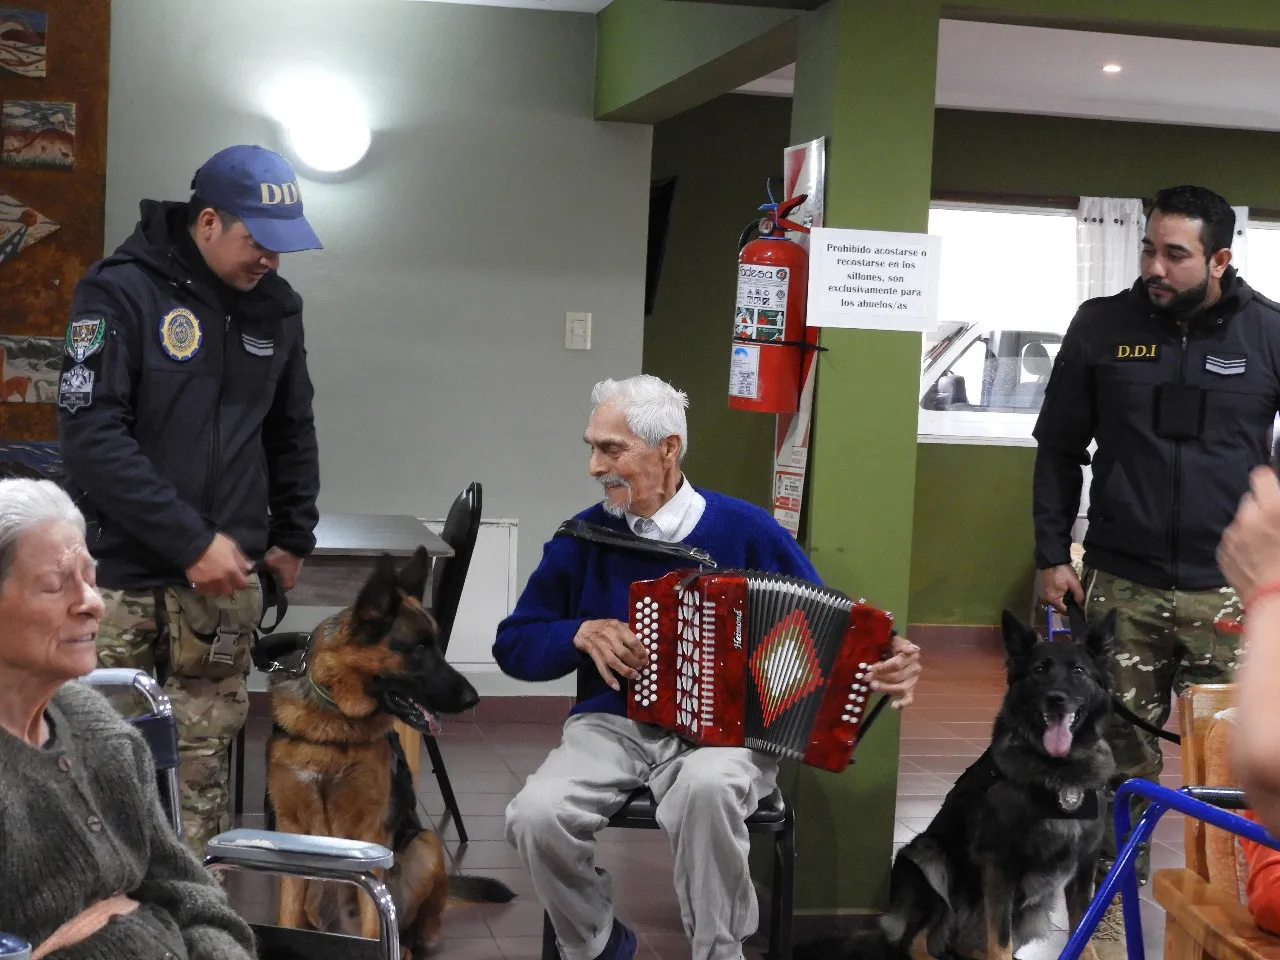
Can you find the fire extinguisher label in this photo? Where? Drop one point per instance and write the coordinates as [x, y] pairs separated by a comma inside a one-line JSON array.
[[762, 302], [744, 371]]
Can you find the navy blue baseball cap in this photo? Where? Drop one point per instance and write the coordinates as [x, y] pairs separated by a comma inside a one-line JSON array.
[[258, 186]]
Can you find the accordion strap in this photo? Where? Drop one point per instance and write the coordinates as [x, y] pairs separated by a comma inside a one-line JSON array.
[[629, 541]]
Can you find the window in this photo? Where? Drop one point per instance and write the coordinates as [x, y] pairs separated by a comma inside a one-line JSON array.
[[1262, 263], [1010, 267], [1006, 294]]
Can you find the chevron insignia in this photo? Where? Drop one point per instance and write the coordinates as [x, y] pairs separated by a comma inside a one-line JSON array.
[[257, 346], [1226, 368]]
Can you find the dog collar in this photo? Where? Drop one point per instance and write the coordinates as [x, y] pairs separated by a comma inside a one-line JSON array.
[[1067, 803], [317, 691], [321, 694]]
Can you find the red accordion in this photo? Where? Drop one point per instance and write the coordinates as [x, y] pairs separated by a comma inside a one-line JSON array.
[[762, 660]]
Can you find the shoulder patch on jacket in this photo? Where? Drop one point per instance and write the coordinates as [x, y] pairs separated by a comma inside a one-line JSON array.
[[76, 388], [85, 336]]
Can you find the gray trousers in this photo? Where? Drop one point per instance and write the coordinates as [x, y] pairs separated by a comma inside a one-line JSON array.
[[704, 796]]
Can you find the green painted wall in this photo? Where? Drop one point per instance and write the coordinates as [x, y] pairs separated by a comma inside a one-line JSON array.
[[1016, 153], [1254, 21], [686, 338], [656, 58], [879, 61], [971, 553]]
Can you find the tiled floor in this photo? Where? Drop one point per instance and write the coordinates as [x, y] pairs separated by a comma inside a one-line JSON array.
[[945, 731]]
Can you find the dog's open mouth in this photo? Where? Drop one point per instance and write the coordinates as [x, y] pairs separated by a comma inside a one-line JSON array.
[[1058, 733], [412, 713]]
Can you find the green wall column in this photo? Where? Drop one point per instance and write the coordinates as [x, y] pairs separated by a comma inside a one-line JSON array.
[[865, 79]]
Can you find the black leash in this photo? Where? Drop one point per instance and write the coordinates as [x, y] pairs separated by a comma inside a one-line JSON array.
[[1079, 629], [272, 597]]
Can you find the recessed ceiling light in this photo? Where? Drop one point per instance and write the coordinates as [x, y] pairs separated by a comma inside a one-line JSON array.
[[1112, 68]]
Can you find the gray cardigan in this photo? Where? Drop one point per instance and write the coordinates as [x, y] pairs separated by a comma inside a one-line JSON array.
[[81, 820]]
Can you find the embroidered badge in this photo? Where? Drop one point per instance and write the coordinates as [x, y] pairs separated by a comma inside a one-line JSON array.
[[1227, 367], [76, 388], [1138, 351], [258, 346], [180, 334], [84, 337]]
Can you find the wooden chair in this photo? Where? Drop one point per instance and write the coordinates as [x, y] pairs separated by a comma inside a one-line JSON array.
[[1204, 913]]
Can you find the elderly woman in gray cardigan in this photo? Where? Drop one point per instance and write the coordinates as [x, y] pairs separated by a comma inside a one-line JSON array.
[[89, 868]]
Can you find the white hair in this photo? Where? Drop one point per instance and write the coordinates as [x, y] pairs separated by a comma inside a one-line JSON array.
[[25, 504], [654, 409]]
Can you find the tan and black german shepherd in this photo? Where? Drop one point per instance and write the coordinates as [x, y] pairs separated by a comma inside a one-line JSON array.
[[335, 767]]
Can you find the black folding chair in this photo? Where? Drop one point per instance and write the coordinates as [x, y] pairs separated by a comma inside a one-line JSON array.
[[461, 530]]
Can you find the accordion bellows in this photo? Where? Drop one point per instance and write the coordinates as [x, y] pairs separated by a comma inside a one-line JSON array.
[[762, 660]]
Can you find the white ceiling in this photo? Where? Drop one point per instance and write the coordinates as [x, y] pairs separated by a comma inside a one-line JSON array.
[[986, 66]]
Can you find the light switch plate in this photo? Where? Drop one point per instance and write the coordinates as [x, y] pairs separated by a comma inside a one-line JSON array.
[[577, 331]]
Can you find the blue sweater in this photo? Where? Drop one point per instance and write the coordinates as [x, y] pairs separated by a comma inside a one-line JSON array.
[[578, 581]]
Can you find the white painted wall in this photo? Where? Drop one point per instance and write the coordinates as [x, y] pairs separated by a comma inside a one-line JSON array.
[[490, 205]]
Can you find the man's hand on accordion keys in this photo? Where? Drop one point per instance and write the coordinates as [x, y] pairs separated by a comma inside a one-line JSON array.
[[613, 648], [897, 675]]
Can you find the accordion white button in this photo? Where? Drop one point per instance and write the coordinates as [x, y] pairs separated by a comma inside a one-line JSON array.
[[862, 666]]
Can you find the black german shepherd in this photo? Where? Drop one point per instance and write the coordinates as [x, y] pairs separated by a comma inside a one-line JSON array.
[[1020, 827], [335, 766]]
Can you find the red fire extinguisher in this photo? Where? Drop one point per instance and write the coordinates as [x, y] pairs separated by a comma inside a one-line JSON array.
[[772, 347]]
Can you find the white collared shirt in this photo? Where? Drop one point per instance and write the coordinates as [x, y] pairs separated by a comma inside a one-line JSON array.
[[675, 519]]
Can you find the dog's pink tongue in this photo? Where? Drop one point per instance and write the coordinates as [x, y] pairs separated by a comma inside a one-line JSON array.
[[1057, 739], [433, 724]]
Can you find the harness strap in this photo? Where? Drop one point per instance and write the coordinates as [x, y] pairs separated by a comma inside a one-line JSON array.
[[626, 540]]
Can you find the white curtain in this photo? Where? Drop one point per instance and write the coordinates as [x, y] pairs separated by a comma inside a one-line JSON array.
[[1240, 242], [1108, 245]]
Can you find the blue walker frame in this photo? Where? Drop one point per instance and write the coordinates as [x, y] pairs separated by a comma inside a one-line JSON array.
[[1210, 804]]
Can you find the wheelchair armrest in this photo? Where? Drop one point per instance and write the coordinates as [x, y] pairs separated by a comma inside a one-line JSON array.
[[292, 852]]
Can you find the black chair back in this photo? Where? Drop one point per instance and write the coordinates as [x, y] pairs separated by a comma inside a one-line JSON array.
[[461, 528]]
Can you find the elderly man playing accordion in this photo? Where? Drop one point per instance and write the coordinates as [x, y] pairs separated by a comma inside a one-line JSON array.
[[572, 617]]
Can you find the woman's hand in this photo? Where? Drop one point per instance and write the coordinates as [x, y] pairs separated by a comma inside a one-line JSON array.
[[1249, 552]]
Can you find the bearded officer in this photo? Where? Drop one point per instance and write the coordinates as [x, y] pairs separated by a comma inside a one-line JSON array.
[[184, 413], [1177, 379]]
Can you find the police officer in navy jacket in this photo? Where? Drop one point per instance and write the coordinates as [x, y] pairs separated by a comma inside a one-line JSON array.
[[185, 420]]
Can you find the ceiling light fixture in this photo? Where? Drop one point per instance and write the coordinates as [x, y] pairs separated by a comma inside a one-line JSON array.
[[1112, 68]]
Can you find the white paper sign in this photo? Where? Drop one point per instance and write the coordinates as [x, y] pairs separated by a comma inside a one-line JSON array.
[[873, 280]]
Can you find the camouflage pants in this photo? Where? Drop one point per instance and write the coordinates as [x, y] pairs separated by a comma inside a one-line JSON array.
[[1166, 641], [202, 652]]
